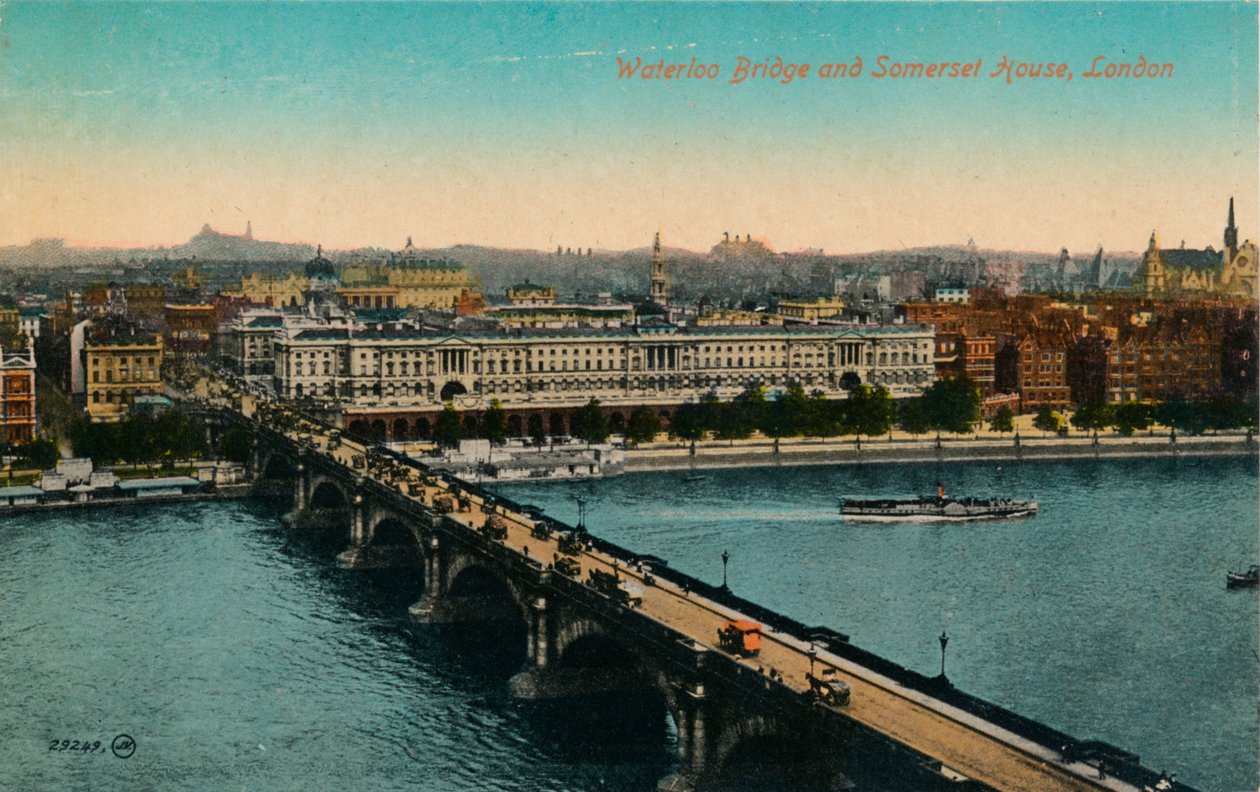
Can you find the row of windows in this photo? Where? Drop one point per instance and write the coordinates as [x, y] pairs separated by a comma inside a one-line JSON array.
[[137, 375], [120, 361], [587, 351], [123, 397], [404, 369]]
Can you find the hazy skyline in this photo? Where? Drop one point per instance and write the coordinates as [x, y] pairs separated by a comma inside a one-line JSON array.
[[355, 125]]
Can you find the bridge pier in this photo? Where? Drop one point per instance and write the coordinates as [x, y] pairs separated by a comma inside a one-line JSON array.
[[539, 646], [354, 556], [425, 611], [357, 532], [533, 682], [301, 488], [694, 735]]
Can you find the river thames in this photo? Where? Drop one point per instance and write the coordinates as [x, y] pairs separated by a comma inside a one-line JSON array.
[[235, 653]]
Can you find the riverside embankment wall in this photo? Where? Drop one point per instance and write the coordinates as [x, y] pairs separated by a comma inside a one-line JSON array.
[[716, 454]]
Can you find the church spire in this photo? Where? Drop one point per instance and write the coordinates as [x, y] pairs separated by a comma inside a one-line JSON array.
[[659, 278], [1231, 233]]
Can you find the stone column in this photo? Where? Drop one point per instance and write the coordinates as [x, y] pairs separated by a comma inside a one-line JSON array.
[[424, 610], [540, 646], [684, 738], [300, 488], [696, 738], [358, 536], [432, 570]]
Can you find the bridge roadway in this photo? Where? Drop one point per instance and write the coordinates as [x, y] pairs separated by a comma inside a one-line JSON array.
[[963, 742]]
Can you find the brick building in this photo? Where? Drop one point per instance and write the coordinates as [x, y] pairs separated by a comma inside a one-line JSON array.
[[17, 395]]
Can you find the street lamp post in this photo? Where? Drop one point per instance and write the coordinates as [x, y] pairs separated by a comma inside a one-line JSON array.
[[726, 557], [813, 654], [581, 502], [944, 639]]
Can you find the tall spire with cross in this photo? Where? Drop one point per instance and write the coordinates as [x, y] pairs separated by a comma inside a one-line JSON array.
[[660, 280]]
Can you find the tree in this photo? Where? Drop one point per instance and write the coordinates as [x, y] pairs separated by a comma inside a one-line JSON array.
[[733, 421], [914, 418], [644, 424], [1092, 416], [710, 414], [41, 453], [494, 423], [1227, 412], [174, 436], [752, 407], [870, 412], [97, 441], [1177, 413], [822, 417], [688, 422], [952, 404], [1047, 420], [591, 423], [1132, 415], [449, 428], [537, 432], [236, 445], [786, 415], [1003, 419]]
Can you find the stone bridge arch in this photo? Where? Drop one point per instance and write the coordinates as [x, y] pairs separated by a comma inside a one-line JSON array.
[[328, 493], [587, 643], [388, 529], [757, 750], [277, 465], [469, 577]]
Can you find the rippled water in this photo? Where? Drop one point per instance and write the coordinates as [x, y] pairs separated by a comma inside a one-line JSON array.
[[1105, 616], [237, 655]]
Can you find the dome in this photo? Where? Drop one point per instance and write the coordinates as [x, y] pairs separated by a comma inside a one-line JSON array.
[[320, 267]]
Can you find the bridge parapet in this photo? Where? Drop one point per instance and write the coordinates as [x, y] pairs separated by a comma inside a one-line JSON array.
[[717, 700]]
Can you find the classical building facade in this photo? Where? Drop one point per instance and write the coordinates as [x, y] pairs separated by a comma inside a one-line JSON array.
[[811, 310], [557, 316], [17, 394], [277, 292], [118, 369], [245, 343], [402, 377], [528, 295], [407, 280]]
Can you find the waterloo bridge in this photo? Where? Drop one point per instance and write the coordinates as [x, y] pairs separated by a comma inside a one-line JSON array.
[[599, 619]]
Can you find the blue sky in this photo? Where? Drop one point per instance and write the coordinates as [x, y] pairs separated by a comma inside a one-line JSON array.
[[506, 124]]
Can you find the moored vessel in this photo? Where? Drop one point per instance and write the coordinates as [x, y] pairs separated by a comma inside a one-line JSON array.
[[1248, 579], [937, 509]]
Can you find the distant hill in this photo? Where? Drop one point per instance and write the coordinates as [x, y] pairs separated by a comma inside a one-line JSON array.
[[729, 272], [211, 245]]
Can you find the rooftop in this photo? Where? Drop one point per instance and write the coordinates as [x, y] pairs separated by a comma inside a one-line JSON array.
[[803, 331], [163, 482]]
